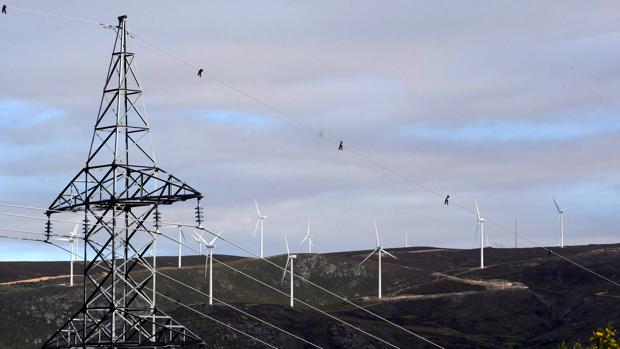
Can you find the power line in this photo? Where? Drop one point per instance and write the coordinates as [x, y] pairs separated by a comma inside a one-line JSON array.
[[313, 307], [265, 284], [253, 316], [38, 218], [49, 14], [330, 292], [212, 318], [19, 238], [307, 304], [22, 231], [239, 310]]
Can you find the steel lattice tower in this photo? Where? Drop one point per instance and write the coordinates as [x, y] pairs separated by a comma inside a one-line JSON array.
[[118, 190]]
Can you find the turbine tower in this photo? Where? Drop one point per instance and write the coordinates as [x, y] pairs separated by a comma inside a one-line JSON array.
[[209, 262], [561, 218], [182, 240], [380, 251], [289, 258], [259, 224], [308, 238], [73, 248], [480, 226], [119, 190]]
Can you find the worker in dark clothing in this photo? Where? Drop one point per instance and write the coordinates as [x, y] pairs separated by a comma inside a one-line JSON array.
[[340, 147], [4, 9], [200, 72], [447, 200]]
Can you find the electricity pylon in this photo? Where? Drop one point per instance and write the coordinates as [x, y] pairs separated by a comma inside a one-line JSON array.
[[118, 190]]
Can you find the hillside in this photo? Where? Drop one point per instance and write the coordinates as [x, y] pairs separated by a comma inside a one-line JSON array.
[[524, 298]]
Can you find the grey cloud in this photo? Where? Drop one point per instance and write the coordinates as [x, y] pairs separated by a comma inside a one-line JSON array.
[[357, 71]]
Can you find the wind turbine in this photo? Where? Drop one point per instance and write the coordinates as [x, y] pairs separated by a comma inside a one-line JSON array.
[[289, 258], [198, 238], [182, 240], [561, 217], [480, 225], [259, 224], [380, 251], [209, 259], [73, 248], [308, 237]]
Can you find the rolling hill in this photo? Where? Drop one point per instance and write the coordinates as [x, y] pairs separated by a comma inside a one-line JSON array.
[[523, 298]]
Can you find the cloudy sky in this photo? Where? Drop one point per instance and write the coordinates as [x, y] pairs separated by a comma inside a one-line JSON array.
[[506, 102]]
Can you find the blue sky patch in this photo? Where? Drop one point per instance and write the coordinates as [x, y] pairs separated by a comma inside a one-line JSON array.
[[21, 113], [233, 117]]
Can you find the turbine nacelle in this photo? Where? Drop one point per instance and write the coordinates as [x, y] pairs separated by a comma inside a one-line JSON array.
[[560, 210], [379, 249], [210, 244]]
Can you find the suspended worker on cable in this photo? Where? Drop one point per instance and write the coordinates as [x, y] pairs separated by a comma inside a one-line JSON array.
[[341, 147], [447, 200], [4, 9], [200, 72]]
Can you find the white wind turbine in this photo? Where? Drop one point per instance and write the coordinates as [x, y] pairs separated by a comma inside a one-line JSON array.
[[289, 258], [198, 238], [561, 217], [480, 226], [308, 237], [209, 259], [73, 248], [380, 251], [182, 240], [259, 224]]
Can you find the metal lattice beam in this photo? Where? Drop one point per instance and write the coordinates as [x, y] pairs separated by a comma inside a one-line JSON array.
[[119, 190]]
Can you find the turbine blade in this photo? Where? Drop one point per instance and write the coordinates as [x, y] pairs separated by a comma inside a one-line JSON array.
[[288, 252], [477, 209], [304, 239], [285, 269], [216, 237], [476, 229], [257, 210], [371, 253], [256, 227], [556, 205], [377, 234], [389, 254]]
